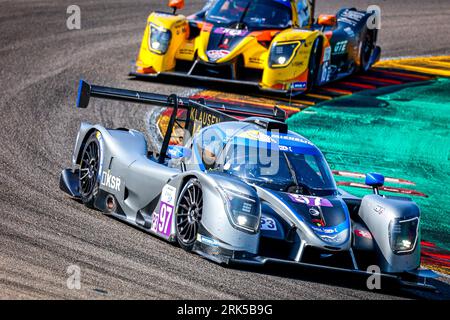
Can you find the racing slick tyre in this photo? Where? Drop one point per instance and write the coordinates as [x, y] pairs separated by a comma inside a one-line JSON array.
[[89, 169], [314, 63], [367, 47], [189, 214]]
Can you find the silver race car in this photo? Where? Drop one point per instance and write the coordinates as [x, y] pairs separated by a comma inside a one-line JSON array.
[[240, 190]]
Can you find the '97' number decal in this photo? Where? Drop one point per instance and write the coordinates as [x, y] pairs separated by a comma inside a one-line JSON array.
[[162, 220], [165, 219]]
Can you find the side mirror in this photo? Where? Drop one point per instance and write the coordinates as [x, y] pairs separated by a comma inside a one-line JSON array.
[[178, 152], [327, 20], [176, 5], [375, 180]]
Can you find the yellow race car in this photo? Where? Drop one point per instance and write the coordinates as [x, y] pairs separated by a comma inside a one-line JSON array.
[[277, 45]]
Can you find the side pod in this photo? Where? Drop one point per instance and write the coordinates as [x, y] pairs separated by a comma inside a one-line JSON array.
[[394, 224]]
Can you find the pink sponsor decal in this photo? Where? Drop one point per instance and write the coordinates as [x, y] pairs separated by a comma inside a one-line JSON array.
[[311, 201]]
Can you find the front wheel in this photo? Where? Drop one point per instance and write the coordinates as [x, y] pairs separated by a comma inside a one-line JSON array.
[[89, 171], [314, 63], [366, 50], [189, 214]]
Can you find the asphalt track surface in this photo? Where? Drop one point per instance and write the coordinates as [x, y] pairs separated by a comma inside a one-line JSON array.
[[42, 231]]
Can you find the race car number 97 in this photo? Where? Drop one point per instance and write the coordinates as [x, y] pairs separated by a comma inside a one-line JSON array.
[[268, 224], [165, 217], [162, 220]]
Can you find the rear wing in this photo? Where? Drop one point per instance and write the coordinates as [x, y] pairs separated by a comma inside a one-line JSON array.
[[200, 113], [86, 91]]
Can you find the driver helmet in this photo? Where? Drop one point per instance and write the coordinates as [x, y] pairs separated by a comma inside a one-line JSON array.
[[210, 152]]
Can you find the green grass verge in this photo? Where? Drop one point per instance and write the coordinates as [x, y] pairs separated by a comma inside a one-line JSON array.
[[401, 132]]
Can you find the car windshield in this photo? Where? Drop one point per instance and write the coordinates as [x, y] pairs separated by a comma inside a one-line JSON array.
[[306, 173], [254, 14]]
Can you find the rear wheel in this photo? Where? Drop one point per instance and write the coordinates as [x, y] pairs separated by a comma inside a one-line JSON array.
[[189, 214], [89, 171]]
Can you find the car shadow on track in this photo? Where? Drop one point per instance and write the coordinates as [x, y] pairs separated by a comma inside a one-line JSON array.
[[351, 281]]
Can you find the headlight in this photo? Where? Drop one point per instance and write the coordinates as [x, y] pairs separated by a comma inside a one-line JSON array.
[[244, 211], [281, 55], [403, 234], [159, 40]]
